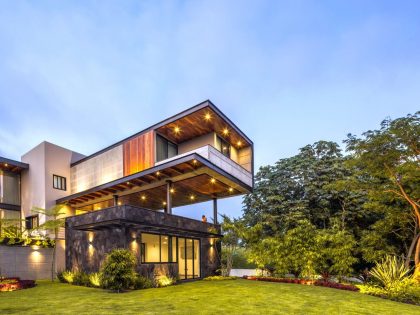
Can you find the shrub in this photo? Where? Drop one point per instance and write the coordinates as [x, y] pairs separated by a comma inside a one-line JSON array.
[[141, 282], [218, 278], [81, 278], [117, 272], [67, 276], [164, 281], [389, 272], [94, 279], [60, 277]]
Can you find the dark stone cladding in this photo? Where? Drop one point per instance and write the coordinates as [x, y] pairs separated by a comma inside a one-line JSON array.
[[90, 236]]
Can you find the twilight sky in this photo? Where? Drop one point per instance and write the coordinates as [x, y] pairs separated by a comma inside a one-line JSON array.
[[85, 74]]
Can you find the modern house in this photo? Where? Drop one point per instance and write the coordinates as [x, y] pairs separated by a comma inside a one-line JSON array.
[[123, 195]]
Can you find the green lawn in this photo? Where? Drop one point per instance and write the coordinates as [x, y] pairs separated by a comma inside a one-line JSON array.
[[200, 297]]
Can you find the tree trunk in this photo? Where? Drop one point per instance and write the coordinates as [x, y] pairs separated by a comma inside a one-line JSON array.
[[411, 249], [54, 254], [417, 253]]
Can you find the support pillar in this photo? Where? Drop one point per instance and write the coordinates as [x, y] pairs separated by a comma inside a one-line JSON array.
[[168, 197], [115, 200], [215, 210]]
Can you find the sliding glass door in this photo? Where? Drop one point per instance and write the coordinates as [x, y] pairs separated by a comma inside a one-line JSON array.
[[188, 258]]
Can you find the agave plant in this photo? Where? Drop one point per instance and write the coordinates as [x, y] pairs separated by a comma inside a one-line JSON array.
[[390, 271]]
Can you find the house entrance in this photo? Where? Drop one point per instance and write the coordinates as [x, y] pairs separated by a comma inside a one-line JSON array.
[[188, 258]]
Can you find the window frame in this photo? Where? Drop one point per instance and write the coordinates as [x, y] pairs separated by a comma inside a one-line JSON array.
[[143, 249], [166, 147], [30, 219], [61, 183], [223, 141]]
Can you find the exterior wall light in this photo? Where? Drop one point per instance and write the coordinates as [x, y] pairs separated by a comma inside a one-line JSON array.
[[35, 247]]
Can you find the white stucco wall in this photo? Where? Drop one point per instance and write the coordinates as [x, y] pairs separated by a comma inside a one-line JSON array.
[[45, 160]]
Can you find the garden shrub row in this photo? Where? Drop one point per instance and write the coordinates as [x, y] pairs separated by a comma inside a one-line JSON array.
[[13, 284], [321, 283], [218, 278]]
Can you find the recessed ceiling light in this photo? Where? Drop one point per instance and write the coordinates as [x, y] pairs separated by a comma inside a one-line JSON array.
[[230, 189], [225, 131], [143, 197], [212, 180], [207, 116], [177, 130]]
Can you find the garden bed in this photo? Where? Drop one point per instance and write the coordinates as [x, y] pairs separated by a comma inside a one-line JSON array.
[[320, 283], [13, 284]]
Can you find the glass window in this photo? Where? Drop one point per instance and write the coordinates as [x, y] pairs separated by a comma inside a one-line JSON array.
[[9, 188], [165, 149], [150, 245], [158, 248], [223, 146], [59, 182], [32, 222]]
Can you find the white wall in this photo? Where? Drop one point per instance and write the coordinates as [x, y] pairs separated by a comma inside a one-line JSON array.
[[208, 139], [45, 160]]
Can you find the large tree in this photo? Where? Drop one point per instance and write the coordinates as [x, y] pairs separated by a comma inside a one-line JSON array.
[[391, 158]]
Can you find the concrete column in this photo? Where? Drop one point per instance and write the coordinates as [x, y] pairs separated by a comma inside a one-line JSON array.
[[215, 210], [168, 197]]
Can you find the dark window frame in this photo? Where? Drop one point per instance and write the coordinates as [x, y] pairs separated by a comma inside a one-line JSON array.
[[29, 221], [167, 144], [224, 142], [59, 182], [143, 249]]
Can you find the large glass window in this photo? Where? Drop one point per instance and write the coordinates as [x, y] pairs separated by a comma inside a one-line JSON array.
[[157, 248], [165, 149], [223, 146], [9, 188]]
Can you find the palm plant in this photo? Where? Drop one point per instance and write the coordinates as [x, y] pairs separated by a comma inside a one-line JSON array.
[[390, 271], [54, 220]]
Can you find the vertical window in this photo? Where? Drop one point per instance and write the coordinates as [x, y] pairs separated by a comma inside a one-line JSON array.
[[59, 182], [32, 222], [223, 146], [165, 149]]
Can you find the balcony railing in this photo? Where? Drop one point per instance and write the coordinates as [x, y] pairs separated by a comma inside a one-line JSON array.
[[218, 159]]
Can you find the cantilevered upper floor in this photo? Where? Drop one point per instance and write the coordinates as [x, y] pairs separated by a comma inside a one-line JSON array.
[[196, 155]]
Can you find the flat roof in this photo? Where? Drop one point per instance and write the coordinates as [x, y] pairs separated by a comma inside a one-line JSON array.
[[189, 111], [12, 165]]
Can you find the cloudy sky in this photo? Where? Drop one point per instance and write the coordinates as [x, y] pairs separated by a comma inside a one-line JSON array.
[[85, 74]]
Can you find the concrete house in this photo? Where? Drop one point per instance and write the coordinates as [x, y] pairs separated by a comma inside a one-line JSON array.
[[123, 196]]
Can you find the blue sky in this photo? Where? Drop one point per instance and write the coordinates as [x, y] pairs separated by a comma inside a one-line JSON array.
[[85, 74]]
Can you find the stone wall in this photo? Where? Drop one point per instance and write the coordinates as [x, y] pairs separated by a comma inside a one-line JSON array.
[[89, 237]]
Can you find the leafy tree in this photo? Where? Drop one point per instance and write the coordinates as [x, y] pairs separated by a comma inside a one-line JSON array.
[[232, 230], [54, 220], [391, 158]]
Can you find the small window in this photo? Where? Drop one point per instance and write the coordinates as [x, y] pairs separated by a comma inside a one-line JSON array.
[[165, 149], [32, 222], [59, 182], [223, 146]]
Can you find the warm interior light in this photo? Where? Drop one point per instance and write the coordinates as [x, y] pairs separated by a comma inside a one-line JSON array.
[[207, 116], [230, 189], [5, 164], [225, 131], [192, 197], [164, 203], [143, 197], [212, 180], [172, 190], [157, 173], [119, 203], [239, 143], [177, 130], [194, 161]]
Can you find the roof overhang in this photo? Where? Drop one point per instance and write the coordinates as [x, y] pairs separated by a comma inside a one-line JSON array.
[[12, 165], [194, 179]]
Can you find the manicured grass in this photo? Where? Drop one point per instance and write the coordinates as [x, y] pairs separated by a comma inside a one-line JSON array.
[[200, 297]]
